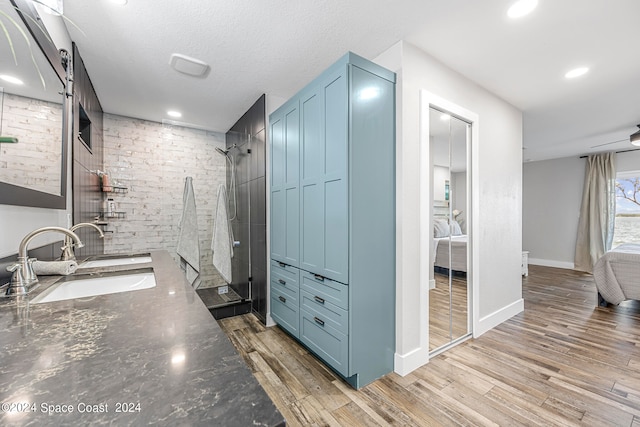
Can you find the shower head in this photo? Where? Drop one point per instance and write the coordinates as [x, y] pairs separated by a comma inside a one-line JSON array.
[[225, 152]]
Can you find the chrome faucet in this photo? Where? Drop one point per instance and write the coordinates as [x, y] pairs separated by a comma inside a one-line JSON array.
[[67, 249], [23, 276]]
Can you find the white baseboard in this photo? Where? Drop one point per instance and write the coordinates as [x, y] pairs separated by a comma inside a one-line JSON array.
[[432, 283], [551, 263], [494, 319], [270, 321], [404, 364]]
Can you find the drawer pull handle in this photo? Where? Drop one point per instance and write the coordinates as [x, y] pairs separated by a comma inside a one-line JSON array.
[[318, 299], [319, 321], [282, 282], [282, 264], [318, 277], [283, 299]]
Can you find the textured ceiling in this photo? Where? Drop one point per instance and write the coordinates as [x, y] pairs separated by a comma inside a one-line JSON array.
[[277, 46]]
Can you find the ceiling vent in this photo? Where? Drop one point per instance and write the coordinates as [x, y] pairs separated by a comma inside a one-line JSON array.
[[190, 66]]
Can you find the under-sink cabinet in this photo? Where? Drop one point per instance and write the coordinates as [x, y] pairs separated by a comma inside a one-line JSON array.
[[333, 218]]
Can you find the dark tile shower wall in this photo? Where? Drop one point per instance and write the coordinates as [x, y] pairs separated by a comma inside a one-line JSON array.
[[250, 260], [87, 195]]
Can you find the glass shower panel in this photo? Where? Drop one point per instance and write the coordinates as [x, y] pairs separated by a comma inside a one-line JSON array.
[[236, 180], [238, 188]]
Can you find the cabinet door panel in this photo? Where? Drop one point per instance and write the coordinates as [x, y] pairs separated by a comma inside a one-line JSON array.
[[285, 200], [312, 152], [312, 249], [292, 147], [335, 126], [292, 251], [324, 210], [277, 152], [278, 224], [336, 256]]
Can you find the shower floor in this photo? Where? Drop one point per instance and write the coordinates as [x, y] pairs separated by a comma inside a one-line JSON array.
[[213, 299]]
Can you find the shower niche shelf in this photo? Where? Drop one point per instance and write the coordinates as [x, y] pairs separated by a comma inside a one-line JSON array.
[[113, 215], [114, 189]]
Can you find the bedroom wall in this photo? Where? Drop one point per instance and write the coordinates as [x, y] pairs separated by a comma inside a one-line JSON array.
[[459, 185], [552, 194], [440, 176], [499, 190]]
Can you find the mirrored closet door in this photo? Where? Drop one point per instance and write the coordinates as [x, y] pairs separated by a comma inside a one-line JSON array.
[[449, 290]]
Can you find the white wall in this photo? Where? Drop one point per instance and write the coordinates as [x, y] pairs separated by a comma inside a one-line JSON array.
[[499, 189], [440, 177], [552, 195], [459, 184]]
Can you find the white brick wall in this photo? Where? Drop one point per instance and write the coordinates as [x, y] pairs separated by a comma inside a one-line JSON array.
[[35, 161], [153, 160]]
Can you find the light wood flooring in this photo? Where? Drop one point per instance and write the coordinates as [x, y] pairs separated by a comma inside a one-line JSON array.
[[563, 361]]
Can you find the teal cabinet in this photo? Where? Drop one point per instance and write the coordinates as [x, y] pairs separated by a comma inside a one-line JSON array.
[[285, 177], [336, 227]]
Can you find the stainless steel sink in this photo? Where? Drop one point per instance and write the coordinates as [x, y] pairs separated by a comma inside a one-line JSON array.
[[88, 285], [115, 260]]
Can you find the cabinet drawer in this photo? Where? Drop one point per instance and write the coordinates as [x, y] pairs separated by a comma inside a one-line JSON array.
[[285, 278], [326, 342], [329, 313], [327, 289], [285, 273], [285, 270], [285, 287], [285, 311]]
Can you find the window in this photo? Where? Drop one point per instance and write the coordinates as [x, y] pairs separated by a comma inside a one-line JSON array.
[[627, 226]]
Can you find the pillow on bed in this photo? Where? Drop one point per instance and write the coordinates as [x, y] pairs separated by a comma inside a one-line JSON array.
[[455, 229], [440, 228]]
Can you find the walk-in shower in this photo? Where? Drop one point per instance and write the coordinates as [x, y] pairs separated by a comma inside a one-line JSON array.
[[245, 185], [227, 244]]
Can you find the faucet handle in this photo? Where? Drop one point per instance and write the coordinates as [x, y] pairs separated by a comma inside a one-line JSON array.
[[17, 279], [31, 274]]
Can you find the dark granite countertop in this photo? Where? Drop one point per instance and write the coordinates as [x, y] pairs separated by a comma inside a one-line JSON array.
[[152, 356]]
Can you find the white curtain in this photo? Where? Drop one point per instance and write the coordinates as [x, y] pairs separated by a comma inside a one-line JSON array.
[[598, 211]]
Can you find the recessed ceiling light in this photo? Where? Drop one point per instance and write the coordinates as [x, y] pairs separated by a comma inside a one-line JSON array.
[[522, 8], [576, 72], [11, 79], [119, 2], [175, 114]]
